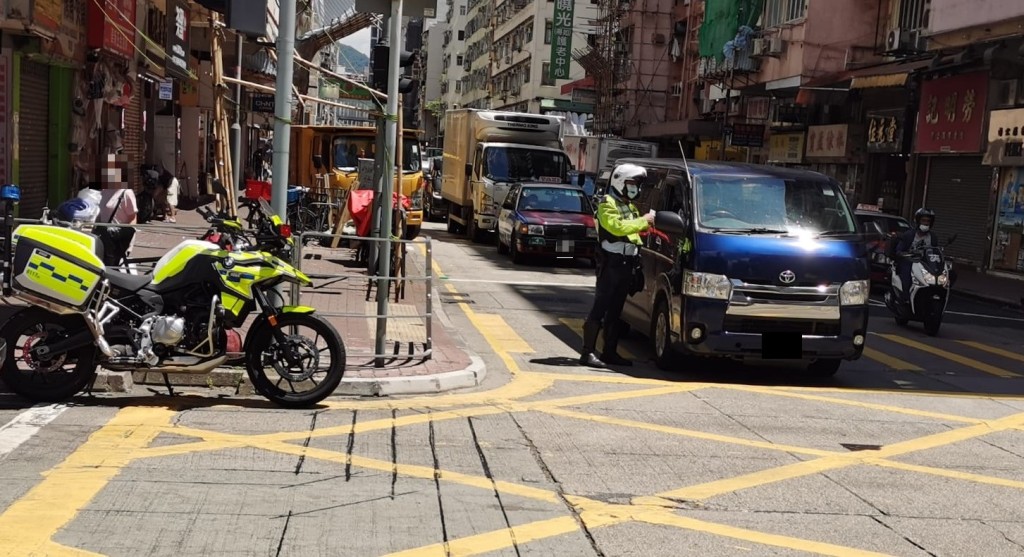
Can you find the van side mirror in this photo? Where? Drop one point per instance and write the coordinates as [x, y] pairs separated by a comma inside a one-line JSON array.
[[318, 162], [668, 221], [469, 170]]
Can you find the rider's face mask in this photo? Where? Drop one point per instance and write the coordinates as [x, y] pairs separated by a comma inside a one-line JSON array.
[[632, 189], [925, 225]]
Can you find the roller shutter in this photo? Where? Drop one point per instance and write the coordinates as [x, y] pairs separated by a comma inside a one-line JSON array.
[[133, 142], [958, 192], [33, 136]]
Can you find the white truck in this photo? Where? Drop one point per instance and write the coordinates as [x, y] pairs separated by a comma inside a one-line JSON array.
[[487, 151], [591, 154]]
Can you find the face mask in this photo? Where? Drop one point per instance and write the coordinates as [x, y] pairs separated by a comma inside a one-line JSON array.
[[632, 191], [924, 228]]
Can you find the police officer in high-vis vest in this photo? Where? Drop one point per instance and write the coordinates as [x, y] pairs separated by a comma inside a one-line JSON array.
[[618, 228]]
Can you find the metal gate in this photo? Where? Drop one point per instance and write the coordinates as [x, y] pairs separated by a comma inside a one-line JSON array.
[[958, 192], [33, 136]]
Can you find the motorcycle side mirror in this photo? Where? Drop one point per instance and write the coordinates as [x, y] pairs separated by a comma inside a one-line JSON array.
[[951, 239]]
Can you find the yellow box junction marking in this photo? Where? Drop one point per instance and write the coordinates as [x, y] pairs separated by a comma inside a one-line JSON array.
[[992, 350], [888, 361], [980, 366]]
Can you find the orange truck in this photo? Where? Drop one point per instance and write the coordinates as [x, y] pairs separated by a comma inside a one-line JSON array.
[[336, 150]]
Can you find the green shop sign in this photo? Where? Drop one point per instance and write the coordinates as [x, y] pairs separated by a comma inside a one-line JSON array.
[[561, 39]]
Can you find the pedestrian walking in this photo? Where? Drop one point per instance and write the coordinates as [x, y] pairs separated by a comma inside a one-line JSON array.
[[618, 228]]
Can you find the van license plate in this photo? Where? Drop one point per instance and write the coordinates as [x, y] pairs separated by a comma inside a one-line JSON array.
[[564, 246], [781, 346]]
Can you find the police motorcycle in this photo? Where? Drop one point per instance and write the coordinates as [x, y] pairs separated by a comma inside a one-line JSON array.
[[926, 297], [83, 314]]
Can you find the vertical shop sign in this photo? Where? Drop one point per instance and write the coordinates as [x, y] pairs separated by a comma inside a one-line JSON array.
[[48, 14], [561, 39], [178, 21], [952, 114]]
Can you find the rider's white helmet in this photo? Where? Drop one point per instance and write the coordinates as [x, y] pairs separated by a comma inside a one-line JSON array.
[[626, 180]]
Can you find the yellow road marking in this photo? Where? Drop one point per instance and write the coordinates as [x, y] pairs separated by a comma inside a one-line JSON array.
[[495, 540], [980, 366], [686, 432], [856, 403], [993, 350], [954, 474], [608, 378], [788, 542], [27, 526], [890, 362], [577, 327]]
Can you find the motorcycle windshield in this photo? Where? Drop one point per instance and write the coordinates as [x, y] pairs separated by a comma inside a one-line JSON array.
[[933, 261]]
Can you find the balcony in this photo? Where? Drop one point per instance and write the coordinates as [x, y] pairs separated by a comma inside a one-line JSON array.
[[742, 62]]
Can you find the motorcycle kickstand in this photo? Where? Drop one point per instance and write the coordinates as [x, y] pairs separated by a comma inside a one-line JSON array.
[[167, 382]]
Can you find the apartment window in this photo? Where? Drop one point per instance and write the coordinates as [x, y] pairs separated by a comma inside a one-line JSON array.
[[462, 10], [529, 31], [525, 70], [458, 86], [458, 60], [777, 12], [545, 75], [547, 31], [462, 35]]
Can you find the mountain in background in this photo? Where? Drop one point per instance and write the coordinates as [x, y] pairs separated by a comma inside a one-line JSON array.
[[353, 60]]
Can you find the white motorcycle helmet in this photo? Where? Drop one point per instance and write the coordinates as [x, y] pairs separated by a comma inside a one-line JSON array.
[[626, 180]]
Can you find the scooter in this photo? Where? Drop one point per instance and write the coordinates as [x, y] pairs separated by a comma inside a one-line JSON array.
[[928, 294]]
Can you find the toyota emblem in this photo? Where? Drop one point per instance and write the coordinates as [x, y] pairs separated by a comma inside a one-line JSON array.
[[787, 277]]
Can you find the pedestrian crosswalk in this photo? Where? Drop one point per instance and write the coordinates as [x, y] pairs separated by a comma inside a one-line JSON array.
[[890, 351]]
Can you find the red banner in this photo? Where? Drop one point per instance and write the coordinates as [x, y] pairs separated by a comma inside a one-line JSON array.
[[952, 114], [111, 25]]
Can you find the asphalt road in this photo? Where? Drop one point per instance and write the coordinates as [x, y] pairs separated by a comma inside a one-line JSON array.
[[915, 449]]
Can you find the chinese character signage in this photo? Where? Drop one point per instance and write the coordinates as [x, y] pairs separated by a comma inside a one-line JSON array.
[[885, 131], [828, 141], [178, 19], [111, 27], [263, 102], [1005, 138], [786, 148], [48, 14], [561, 39], [747, 135], [952, 114]]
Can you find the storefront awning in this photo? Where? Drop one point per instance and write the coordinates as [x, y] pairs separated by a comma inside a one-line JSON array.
[[892, 74]]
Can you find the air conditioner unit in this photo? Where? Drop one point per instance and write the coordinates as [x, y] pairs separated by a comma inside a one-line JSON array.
[[658, 38], [901, 40], [707, 105], [760, 46], [775, 46], [676, 90], [1005, 93]]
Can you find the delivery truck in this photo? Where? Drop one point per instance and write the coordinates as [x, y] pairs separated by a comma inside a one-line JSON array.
[[487, 151], [590, 155]]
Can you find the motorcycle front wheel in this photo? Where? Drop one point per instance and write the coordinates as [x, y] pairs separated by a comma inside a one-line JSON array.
[[60, 376], [303, 369]]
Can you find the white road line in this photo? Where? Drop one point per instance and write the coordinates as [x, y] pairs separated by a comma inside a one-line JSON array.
[[524, 282], [876, 303], [25, 425]]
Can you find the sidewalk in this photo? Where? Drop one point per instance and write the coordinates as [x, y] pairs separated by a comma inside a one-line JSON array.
[[989, 288], [449, 366]]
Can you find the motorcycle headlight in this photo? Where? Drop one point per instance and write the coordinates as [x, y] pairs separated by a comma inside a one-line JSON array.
[[854, 293], [707, 285]]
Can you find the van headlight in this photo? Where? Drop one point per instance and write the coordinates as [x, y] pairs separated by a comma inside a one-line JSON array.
[[854, 293], [707, 285]]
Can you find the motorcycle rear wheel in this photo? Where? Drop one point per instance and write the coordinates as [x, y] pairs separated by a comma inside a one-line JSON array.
[[270, 372], [56, 379]]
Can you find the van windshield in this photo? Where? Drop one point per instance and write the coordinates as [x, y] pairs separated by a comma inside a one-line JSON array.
[[757, 204], [347, 150], [509, 164]]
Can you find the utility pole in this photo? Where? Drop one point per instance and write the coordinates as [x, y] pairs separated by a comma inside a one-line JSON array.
[[236, 128], [391, 133], [283, 106]]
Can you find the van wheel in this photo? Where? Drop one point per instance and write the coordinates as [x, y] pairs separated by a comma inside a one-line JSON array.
[[822, 368], [665, 356], [412, 232]]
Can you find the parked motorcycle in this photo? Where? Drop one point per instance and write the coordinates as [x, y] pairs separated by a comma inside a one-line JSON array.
[[175, 320], [929, 289]]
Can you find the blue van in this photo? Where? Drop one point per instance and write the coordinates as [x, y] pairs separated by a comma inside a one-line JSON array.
[[750, 262]]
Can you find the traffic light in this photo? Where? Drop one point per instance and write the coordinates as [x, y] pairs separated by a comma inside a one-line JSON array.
[[381, 59]]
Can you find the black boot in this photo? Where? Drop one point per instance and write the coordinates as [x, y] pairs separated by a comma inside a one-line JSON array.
[[610, 354], [587, 356]]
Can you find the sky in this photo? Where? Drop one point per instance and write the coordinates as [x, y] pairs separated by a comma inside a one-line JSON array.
[[359, 41]]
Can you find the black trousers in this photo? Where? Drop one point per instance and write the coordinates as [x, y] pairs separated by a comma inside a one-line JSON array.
[[903, 271], [615, 272]]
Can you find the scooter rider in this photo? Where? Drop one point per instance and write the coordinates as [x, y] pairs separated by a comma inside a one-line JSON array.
[[618, 227], [912, 240]]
